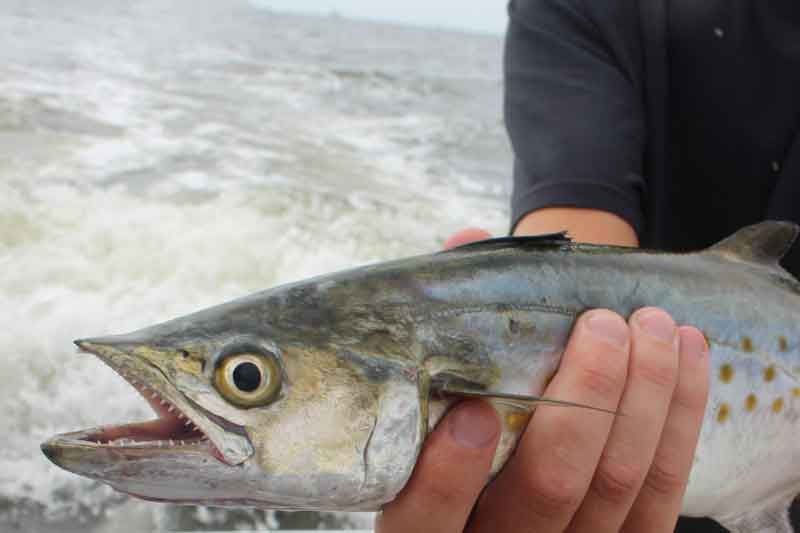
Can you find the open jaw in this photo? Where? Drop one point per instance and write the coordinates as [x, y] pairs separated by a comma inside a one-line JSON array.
[[174, 429]]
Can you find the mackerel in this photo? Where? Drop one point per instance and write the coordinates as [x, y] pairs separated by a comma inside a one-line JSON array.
[[319, 394]]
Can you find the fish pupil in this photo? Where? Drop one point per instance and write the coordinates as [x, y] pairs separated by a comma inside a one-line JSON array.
[[247, 377]]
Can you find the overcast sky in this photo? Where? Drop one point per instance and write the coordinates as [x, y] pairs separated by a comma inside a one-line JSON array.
[[475, 15]]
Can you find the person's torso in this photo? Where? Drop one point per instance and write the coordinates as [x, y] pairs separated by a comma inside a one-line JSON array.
[[734, 127], [734, 119]]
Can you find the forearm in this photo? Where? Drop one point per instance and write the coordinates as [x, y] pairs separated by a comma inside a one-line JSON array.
[[576, 118], [583, 225]]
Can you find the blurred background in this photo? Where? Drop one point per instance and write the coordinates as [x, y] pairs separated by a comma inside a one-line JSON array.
[[159, 157]]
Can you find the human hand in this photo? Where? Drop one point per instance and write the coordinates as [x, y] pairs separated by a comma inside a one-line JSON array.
[[573, 470]]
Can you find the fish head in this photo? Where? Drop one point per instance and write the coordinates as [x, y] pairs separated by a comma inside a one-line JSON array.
[[259, 404]]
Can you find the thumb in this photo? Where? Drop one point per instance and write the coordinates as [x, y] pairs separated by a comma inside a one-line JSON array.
[[449, 475]]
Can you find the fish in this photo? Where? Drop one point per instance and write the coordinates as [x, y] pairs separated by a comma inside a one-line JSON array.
[[319, 394]]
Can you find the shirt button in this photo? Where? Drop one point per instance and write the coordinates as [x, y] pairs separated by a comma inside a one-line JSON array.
[[775, 166], [719, 32]]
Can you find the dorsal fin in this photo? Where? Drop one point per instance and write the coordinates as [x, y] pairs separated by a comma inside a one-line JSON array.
[[764, 243], [545, 240]]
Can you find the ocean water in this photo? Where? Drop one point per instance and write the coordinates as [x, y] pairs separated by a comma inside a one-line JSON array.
[[159, 157]]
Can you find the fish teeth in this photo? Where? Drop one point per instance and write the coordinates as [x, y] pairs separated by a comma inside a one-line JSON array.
[[188, 423], [154, 395], [170, 408]]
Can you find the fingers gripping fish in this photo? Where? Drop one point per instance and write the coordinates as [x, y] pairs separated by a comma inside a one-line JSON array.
[[319, 394]]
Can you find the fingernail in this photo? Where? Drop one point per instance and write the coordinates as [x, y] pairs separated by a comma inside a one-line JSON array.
[[693, 345], [609, 327], [657, 323], [473, 425]]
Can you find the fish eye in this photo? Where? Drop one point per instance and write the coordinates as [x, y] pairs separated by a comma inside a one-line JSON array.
[[248, 379]]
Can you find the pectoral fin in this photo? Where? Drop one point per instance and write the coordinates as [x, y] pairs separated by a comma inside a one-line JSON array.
[[772, 520], [520, 401]]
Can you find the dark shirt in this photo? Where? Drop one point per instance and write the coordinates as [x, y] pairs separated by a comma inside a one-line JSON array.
[[684, 121], [682, 118]]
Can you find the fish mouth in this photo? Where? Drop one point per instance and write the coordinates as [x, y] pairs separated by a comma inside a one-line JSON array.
[[177, 428]]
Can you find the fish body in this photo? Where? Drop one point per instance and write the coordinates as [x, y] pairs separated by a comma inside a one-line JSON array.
[[319, 394]]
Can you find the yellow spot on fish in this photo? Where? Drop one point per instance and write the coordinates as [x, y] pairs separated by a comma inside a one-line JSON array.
[[747, 344], [724, 413], [796, 392], [769, 373], [777, 405], [517, 421], [751, 402], [726, 373], [783, 344]]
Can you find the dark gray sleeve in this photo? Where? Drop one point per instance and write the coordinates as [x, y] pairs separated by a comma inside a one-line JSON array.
[[574, 106]]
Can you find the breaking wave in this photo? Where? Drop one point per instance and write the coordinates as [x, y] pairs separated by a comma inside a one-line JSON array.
[[158, 159]]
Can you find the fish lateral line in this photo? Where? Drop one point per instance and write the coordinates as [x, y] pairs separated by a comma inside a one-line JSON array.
[[522, 401]]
